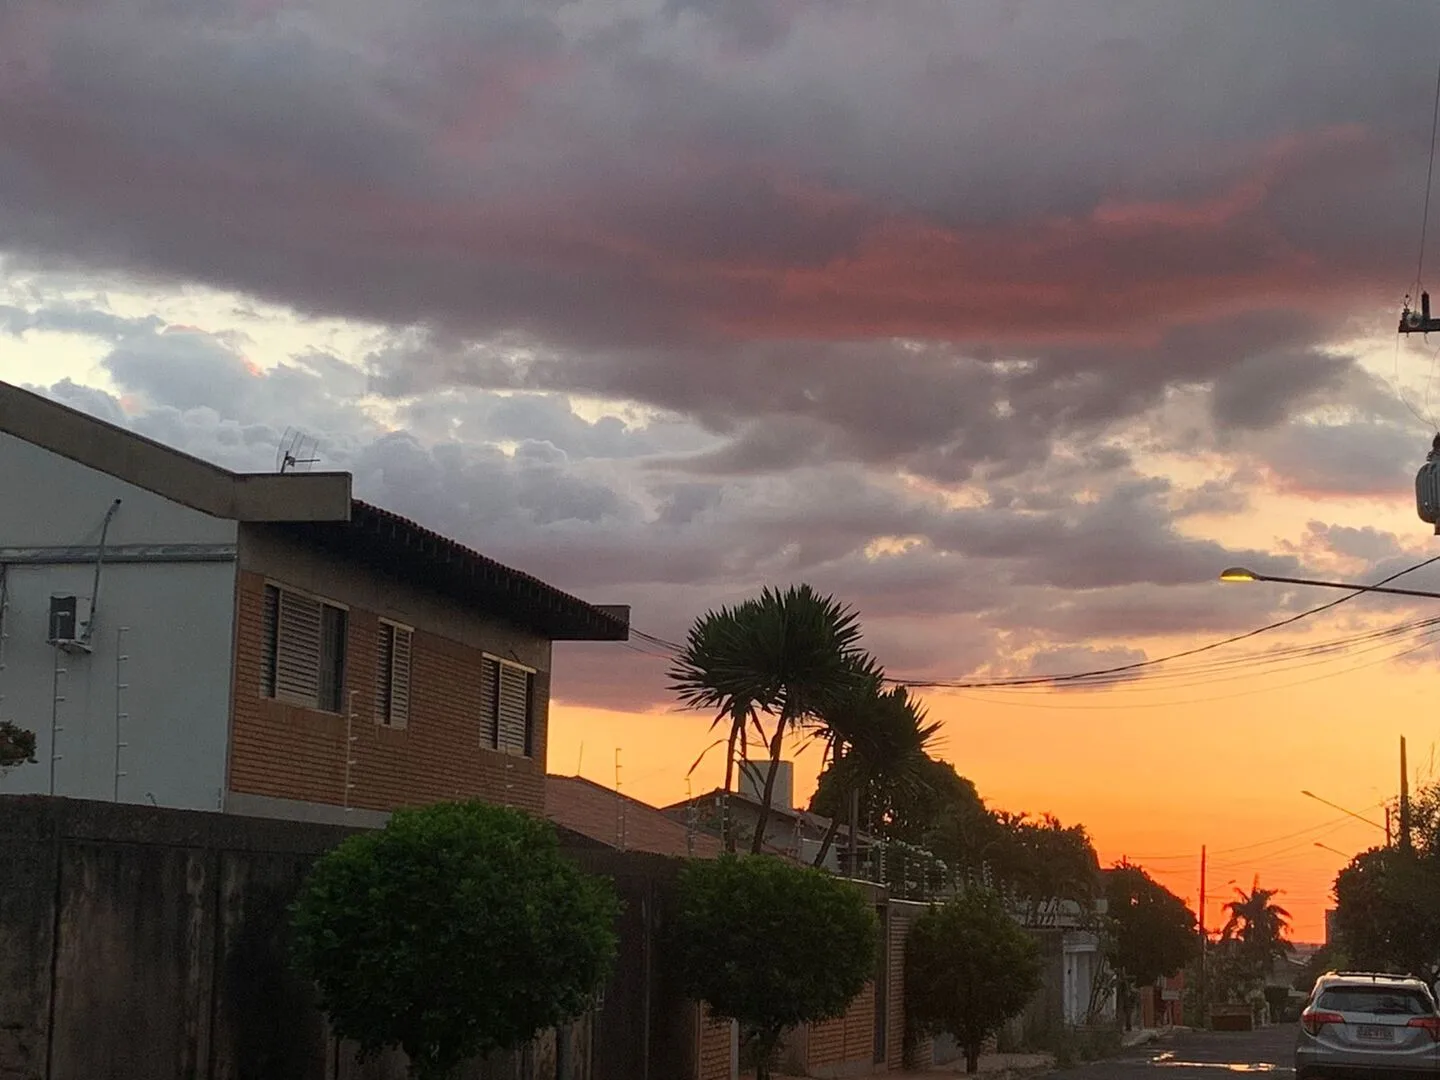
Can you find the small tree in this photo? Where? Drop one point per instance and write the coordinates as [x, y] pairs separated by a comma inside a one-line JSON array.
[[969, 967], [1152, 932], [771, 944], [1386, 917], [456, 930], [17, 746]]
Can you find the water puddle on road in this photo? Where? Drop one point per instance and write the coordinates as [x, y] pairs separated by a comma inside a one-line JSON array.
[[1170, 1061]]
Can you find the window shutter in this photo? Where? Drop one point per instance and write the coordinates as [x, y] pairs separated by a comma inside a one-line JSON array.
[[489, 701], [514, 708], [331, 660], [269, 634], [400, 678], [384, 665], [297, 650]]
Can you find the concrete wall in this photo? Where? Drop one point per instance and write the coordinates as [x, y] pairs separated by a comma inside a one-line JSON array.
[[180, 617], [147, 944], [49, 499]]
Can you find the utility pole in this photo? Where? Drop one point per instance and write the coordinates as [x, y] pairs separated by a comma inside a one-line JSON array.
[[1204, 937], [1404, 800], [1389, 842]]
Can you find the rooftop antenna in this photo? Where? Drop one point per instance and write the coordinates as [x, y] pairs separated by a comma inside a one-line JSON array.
[[619, 806], [296, 452], [689, 819]]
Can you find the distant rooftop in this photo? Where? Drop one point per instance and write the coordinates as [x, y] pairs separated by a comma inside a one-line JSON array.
[[619, 821]]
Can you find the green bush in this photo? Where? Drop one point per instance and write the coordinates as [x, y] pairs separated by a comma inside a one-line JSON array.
[[969, 967], [771, 944], [456, 930], [17, 746]]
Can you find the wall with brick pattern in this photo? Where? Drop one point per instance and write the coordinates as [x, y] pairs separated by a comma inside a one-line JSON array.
[[846, 1044], [290, 752], [902, 916], [716, 1060]]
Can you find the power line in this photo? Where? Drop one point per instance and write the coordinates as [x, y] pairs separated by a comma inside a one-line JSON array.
[[1042, 680], [1429, 180], [1305, 832], [1107, 676], [1253, 665]]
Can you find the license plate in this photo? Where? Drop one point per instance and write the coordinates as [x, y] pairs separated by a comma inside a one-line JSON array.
[[1372, 1033]]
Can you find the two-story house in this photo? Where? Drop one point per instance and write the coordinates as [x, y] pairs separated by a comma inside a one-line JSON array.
[[265, 644]]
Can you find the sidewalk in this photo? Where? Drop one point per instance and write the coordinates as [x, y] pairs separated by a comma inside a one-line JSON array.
[[992, 1066]]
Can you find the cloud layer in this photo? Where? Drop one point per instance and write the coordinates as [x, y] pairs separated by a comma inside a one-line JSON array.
[[1003, 321]]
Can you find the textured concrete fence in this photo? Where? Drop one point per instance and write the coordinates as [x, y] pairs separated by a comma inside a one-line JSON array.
[[147, 944]]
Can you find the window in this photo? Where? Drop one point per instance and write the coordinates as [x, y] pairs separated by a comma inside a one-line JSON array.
[[1378, 1000], [507, 707], [392, 675], [303, 650]]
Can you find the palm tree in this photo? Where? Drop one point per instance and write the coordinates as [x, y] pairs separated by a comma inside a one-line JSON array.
[[786, 655], [878, 741], [1257, 924], [704, 646]]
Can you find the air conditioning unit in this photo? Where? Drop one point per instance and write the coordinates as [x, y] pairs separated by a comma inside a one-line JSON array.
[[69, 621]]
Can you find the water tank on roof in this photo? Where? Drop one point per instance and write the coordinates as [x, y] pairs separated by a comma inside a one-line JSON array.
[[752, 783]]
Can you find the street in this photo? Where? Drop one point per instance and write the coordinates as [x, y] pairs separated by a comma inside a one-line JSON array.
[[1198, 1056]]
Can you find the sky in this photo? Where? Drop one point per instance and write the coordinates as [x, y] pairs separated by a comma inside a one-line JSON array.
[[1009, 323]]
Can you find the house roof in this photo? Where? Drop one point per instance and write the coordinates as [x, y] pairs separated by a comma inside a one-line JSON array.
[[316, 508], [817, 822], [593, 810], [395, 546]]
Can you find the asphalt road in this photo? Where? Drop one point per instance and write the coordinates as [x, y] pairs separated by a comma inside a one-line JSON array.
[[1200, 1055]]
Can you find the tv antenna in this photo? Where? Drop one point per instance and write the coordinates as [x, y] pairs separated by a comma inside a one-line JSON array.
[[297, 451]]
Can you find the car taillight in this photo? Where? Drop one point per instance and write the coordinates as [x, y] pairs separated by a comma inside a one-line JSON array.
[[1312, 1020], [1429, 1023]]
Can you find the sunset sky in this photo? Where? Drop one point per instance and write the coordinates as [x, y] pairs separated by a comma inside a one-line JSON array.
[[1010, 323]]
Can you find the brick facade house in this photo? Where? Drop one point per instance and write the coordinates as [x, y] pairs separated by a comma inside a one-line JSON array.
[[258, 643]]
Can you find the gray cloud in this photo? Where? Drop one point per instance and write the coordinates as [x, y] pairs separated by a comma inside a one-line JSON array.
[[1073, 658], [823, 246], [964, 588], [1258, 392]]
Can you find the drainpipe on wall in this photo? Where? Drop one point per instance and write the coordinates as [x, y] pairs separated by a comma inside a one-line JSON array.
[[99, 562]]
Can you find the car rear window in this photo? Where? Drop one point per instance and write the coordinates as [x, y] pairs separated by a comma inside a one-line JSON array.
[[1374, 999]]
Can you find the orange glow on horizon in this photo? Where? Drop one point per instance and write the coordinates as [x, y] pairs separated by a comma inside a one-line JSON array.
[[1151, 783]]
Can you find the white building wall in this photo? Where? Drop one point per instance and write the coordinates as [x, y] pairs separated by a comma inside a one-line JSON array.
[[170, 579]]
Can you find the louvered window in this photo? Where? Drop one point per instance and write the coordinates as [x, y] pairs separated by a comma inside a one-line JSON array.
[[489, 702], [506, 708], [269, 635], [303, 644], [392, 689]]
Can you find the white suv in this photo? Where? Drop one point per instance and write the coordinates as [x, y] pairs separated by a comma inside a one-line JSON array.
[[1364, 1023]]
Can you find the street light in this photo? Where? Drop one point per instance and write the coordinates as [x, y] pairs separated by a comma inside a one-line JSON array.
[[1336, 850], [1351, 813], [1337, 806], [1240, 573]]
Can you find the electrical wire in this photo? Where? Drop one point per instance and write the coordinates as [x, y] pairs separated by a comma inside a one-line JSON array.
[[1079, 677], [1053, 703], [1429, 181], [1111, 677], [1310, 832], [1253, 666]]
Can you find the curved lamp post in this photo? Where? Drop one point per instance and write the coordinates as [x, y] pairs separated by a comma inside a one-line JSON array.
[[1240, 573]]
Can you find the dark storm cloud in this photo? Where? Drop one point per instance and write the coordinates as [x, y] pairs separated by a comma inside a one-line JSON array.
[[987, 246], [600, 173], [737, 212], [1258, 392]]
